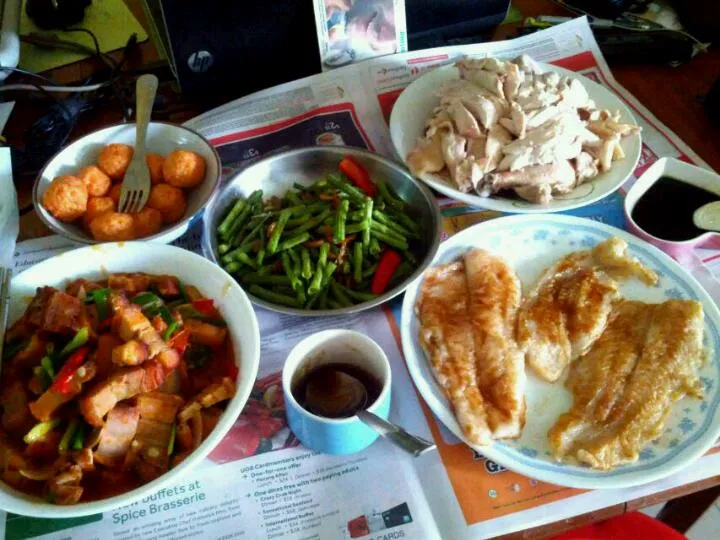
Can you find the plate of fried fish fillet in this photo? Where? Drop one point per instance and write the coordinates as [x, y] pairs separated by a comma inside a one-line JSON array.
[[515, 136], [566, 350]]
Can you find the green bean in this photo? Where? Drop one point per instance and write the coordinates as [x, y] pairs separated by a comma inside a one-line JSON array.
[[369, 271], [306, 263], [300, 295], [403, 271], [359, 295], [339, 294], [390, 240], [260, 256], [254, 277], [254, 232], [277, 231], [254, 198], [223, 249], [246, 260], [346, 267], [377, 226], [357, 261], [410, 257], [312, 223], [374, 246], [230, 217], [355, 194], [317, 279], [294, 241], [407, 222], [367, 222], [391, 201], [293, 198], [298, 220], [334, 304], [295, 258], [322, 298], [328, 272], [232, 267], [270, 296], [340, 218], [234, 254], [354, 228], [290, 271], [301, 187], [389, 222]]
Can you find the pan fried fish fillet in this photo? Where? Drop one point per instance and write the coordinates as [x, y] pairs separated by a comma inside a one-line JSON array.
[[494, 298], [446, 334], [467, 312], [569, 307], [626, 384]]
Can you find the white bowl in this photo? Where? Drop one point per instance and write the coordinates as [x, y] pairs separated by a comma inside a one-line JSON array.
[[415, 106], [162, 138], [97, 261]]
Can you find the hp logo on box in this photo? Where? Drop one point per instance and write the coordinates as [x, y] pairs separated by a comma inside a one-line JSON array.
[[200, 61]]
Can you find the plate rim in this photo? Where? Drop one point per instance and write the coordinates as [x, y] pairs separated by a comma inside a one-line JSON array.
[[440, 409], [503, 204]]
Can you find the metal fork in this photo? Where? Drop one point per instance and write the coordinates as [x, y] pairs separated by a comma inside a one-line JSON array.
[[136, 184]]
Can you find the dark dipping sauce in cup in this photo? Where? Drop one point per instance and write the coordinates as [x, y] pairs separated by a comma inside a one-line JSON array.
[[666, 209], [325, 380]]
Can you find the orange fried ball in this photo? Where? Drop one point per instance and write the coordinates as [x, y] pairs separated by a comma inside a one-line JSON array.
[[148, 221], [114, 160], [96, 181], [184, 169], [169, 201], [155, 164], [114, 193], [66, 198], [97, 206], [112, 226]]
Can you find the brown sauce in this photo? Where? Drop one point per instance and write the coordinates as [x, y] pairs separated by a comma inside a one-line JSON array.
[[324, 376], [666, 209]]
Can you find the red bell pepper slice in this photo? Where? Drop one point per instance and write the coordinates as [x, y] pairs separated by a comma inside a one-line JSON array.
[[205, 306], [63, 378], [180, 340], [358, 176], [389, 263]]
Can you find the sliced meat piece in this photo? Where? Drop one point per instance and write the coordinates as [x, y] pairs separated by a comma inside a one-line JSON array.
[[205, 333], [586, 167], [154, 438], [131, 353], [131, 323], [426, 157], [31, 355], [123, 384], [45, 406], [513, 79], [130, 283], [497, 138], [103, 354], [535, 183], [465, 123], [14, 404], [56, 312], [474, 71], [167, 286], [117, 434], [159, 406]]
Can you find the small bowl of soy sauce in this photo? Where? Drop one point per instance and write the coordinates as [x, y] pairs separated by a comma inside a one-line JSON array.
[[326, 379], [660, 206]]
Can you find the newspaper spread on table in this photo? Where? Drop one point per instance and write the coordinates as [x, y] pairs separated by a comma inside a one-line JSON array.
[[259, 483]]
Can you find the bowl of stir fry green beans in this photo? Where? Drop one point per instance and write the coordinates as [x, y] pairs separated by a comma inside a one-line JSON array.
[[322, 230]]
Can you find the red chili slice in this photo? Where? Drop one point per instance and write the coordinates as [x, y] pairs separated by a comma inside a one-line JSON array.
[[205, 306], [63, 378], [180, 340], [358, 176], [389, 263]]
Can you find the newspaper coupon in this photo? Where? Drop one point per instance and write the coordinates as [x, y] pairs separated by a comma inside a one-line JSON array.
[[352, 30]]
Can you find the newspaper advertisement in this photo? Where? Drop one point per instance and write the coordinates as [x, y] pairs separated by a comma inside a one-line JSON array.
[[461, 493], [352, 30]]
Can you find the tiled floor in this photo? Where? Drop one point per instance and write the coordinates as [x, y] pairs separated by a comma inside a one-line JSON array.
[[708, 526]]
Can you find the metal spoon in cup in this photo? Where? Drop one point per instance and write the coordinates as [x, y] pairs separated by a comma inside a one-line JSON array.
[[708, 216], [339, 395]]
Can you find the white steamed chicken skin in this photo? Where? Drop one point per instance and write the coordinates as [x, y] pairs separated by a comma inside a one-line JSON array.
[[509, 126]]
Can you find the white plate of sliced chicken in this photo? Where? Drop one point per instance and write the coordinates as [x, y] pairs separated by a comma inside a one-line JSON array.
[[515, 136], [566, 350]]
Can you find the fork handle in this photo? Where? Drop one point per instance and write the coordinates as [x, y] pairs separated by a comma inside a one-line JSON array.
[[145, 91]]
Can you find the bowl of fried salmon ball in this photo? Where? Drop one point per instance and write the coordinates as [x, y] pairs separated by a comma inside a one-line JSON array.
[[78, 191]]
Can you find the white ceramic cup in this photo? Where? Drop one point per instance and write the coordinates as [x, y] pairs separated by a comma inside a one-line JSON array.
[[335, 435]]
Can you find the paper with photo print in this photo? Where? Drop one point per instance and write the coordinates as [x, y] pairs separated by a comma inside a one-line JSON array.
[[352, 30]]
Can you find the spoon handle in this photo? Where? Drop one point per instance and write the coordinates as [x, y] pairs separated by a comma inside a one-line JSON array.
[[145, 90], [412, 444]]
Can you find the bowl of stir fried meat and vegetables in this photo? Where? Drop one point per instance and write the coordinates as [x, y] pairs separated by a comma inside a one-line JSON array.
[[124, 365]]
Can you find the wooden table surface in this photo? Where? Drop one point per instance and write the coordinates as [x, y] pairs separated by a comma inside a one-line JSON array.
[[674, 94]]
